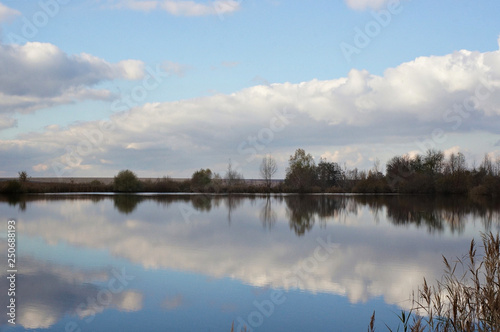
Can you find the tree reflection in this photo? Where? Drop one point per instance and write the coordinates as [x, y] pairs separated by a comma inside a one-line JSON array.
[[14, 200], [232, 203], [432, 212], [300, 213], [302, 210], [436, 213], [126, 203], [267, 215], [202, 203]]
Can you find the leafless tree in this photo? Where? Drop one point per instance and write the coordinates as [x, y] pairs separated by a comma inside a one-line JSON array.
[[232, 176], [267, 169]]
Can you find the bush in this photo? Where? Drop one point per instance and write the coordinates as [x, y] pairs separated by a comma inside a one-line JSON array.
[[23, 176], [201, 179], [12, 187], [126, 181]]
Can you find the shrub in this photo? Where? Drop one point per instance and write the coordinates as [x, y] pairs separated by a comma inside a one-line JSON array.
[[126, 181], [23, 176], [201, 179], [12, 187]]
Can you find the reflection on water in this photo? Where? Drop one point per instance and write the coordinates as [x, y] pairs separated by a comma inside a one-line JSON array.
[[267, 214], [73, 245], [126, 203], [435, 213], [46, 292]]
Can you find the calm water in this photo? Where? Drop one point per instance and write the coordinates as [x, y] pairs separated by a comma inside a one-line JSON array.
[[198, 263]]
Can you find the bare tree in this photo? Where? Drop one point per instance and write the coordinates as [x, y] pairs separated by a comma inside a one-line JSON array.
[[267, 169], [232, 176]]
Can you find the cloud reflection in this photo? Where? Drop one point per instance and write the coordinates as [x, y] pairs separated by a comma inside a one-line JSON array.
[[171, 303], [373, 259], [46, 292]]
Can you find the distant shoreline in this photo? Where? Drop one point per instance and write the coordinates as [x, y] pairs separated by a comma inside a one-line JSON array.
[[41, 185], [109, 180]]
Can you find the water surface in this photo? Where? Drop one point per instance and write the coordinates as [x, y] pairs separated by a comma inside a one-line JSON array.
[[199, 263]]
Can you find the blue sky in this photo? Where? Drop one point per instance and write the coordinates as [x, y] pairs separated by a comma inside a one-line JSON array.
[[226, 70]]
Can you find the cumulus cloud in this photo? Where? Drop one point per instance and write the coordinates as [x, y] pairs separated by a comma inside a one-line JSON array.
[[180, 8], [40, 75], [351, 156], [6, 13], [43, 70], [454, 93]]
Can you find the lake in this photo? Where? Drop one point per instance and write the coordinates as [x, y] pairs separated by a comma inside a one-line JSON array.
[[201, 262]]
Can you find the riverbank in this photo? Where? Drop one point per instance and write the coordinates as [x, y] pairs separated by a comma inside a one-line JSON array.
[[183, 185], [106, 184]]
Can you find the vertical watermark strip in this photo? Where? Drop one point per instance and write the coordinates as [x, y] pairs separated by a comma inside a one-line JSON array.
[[11, 270]]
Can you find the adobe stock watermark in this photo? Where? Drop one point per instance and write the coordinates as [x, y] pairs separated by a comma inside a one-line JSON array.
[[92, 139], [294, 278], [39, 20], [102, 300], [365, 35]]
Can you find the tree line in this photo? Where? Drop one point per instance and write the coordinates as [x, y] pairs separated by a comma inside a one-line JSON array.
[[430, 173]]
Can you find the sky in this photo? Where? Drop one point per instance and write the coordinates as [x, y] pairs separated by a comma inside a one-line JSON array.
[[166, 87]]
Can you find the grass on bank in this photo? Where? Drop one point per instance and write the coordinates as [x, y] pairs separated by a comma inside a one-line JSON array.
[[467, 298]]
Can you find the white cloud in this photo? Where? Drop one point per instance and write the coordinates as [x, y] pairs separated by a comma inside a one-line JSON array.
[[365, 4], [192, 8], [40, 167], [453, 150], [6, 121], [361, 111], [136, 5], [6, 13], [180, 7], [351, 156], [38, 75], [37, 317], [175, 68], [42, 69], [130, 301]]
